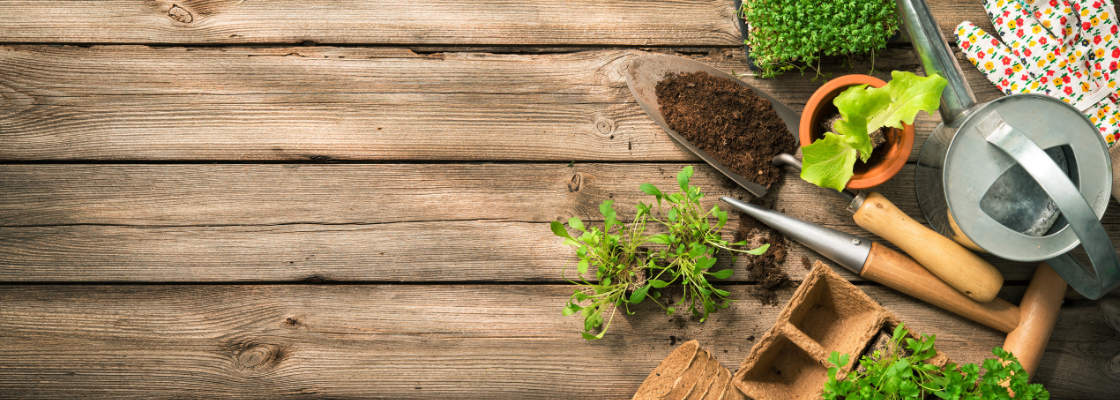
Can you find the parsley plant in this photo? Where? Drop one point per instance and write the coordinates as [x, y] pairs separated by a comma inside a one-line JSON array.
[[891, 374]]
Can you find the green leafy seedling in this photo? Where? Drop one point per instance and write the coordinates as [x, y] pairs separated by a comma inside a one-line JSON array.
[[690, 246], [892, 374], [614, 254], [623, 269], [794, 34]]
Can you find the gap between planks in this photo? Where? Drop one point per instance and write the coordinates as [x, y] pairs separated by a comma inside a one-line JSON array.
[[205, 223], [355, 341]]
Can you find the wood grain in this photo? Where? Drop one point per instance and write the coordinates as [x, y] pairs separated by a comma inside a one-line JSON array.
[[319, 103], [1042, 302], [902, 273], [212, 223], [959, 267], [397, 22], [393, 341]]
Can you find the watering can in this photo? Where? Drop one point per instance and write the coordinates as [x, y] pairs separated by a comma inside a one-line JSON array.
[[1025, 177]]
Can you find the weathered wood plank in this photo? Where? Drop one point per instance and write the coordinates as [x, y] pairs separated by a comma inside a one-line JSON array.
[[256, 194], [417, 342], [451, 222], [486, 22], [400, 22], [315, 103]]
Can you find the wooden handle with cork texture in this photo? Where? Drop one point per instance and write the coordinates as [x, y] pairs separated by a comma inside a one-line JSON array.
[[1039, 309], [958, 267], [901, 273]]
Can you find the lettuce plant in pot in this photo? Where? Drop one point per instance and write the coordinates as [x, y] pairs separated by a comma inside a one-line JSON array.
[[857, 132]]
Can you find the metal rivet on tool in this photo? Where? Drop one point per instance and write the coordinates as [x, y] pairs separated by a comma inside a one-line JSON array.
[[856, 241]]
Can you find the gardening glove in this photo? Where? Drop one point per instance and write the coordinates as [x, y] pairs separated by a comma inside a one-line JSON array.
[[1066, 49]]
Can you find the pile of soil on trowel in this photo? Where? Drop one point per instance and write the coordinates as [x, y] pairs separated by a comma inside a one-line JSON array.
[[765, 269], [729, 122]]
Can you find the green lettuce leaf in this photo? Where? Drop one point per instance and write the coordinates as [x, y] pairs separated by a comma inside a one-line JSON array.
[[909, 94], [857, 106], [828, 162]]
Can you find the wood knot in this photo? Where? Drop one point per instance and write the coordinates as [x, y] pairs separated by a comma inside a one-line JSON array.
[[604, 126], [179, 14], [256, 356], [292, 322], [1110, 311], [575, 183], [1114, 366]]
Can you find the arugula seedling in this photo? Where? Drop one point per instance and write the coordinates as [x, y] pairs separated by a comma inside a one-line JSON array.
[[891, 374], [829, 161], [615, 253], [690, 246]]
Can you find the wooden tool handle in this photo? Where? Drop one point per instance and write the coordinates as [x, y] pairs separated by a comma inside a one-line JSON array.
[[1039, 309], [901, 273], [946, 259]]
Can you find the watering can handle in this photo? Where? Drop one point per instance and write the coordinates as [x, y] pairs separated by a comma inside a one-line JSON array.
[[1073, 206], [938, 58]]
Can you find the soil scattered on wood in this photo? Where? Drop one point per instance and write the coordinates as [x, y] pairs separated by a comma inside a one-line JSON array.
[[729, 122], [767, 268]]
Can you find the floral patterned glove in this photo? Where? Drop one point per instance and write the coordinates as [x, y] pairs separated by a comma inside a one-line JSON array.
[[1066, 49]]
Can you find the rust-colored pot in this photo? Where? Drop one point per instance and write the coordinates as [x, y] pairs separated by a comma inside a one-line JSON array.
[[885, 161]]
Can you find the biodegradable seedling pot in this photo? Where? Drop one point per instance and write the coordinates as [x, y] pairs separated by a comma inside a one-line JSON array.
[[827, 313], [886, 160], [689, 373]]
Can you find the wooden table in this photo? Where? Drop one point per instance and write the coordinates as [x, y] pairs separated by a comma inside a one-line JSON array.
[[329, 199]]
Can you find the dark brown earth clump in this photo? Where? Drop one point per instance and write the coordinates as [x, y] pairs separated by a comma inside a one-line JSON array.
[[728, 121], [767, 268]]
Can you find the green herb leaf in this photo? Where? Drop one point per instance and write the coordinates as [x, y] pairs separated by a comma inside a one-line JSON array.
[[575, 222], [828, 162], [660, 239], [658, 284], [683, 177], [722, 274], [639, 294], [558, 229]]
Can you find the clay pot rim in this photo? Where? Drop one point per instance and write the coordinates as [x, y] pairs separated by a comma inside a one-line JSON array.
[[877, 174]]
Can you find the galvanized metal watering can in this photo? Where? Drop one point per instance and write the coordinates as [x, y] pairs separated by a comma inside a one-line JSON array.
[[1025, 177]]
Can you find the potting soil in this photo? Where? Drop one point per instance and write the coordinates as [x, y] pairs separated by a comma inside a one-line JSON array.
[[765, 269], [728, 121]]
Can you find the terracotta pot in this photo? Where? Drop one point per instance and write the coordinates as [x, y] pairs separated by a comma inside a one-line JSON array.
[[885, 161]]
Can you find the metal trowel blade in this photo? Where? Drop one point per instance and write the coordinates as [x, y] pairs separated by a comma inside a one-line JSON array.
[[1018, 202], [647, 70]]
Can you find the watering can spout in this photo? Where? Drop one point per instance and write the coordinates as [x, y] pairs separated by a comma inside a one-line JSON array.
[[938, 58]]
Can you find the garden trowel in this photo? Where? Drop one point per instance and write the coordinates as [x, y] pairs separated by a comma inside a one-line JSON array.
[[883, 265], [649, 69], [946, 259]]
